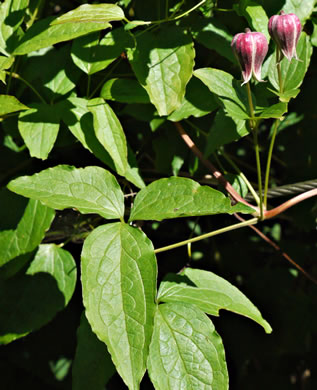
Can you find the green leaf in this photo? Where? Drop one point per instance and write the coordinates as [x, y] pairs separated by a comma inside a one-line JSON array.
[[10, 104], [31, 300], [289, 120], [31, 221], [210, 293], [186, 352], [313, 37], [124, 91], [43, 34], [119, 286], [109, 132], [303, 9], [255, 15], [5, 63], [285, 97], [39, 127], [223, 131], [80, 122], [92, 365], [293, 72], [90, 190], [163, 63], [87, 13], [12, 13], [230, 93], [214, 35], [198, 101], [179, 197], [275, 111], [92, 55]]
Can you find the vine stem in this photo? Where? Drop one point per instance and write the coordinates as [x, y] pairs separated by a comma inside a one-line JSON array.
[[207, 235], [17, 76], [254, 129], [290, 203], [278, 249], [217, 174]]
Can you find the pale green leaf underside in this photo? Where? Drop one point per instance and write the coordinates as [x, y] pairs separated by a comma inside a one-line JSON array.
[[97, 13], [228, 90], [186, 352], [292, 72], [31, 300], [210, 293], [10, 104], [28, 234], [110, 134], [163, 64], [90, 190], [119, 287], [180, 197], [92, 366], [275, 111]]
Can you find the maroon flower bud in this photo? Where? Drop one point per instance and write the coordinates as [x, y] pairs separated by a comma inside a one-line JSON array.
[[285, 30], [250, 49]]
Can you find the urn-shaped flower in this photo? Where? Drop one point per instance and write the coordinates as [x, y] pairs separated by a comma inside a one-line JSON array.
[[285, 30], [250, 49]]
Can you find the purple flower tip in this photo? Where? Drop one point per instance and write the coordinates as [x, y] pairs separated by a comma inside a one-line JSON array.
[[250, 49], [285, 30]]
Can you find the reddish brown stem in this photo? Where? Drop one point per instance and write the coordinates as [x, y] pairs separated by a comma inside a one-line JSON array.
[[277, 248], [292, 202], [217, 174]]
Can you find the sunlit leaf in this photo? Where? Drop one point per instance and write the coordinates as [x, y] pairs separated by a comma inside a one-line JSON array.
[[90, 190], [180, 197], [186, 352], [210, 293], [163, 63], [119, 287]]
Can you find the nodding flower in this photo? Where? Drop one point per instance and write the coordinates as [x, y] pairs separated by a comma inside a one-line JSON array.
[[285, 30], [250, 49]]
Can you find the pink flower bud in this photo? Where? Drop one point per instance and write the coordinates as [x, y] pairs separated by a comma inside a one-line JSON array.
[[285, 30], [250, 49]]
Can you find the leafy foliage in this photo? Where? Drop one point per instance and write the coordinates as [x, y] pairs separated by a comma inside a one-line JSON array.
[[96, 101]]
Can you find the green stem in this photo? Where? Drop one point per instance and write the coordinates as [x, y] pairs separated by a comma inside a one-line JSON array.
[[17, 76], [270, 152], [176, 17], [88, 85], [243, 177], [207, 235], [268, 163], [254, 129], [279, 72], [105, 78]]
